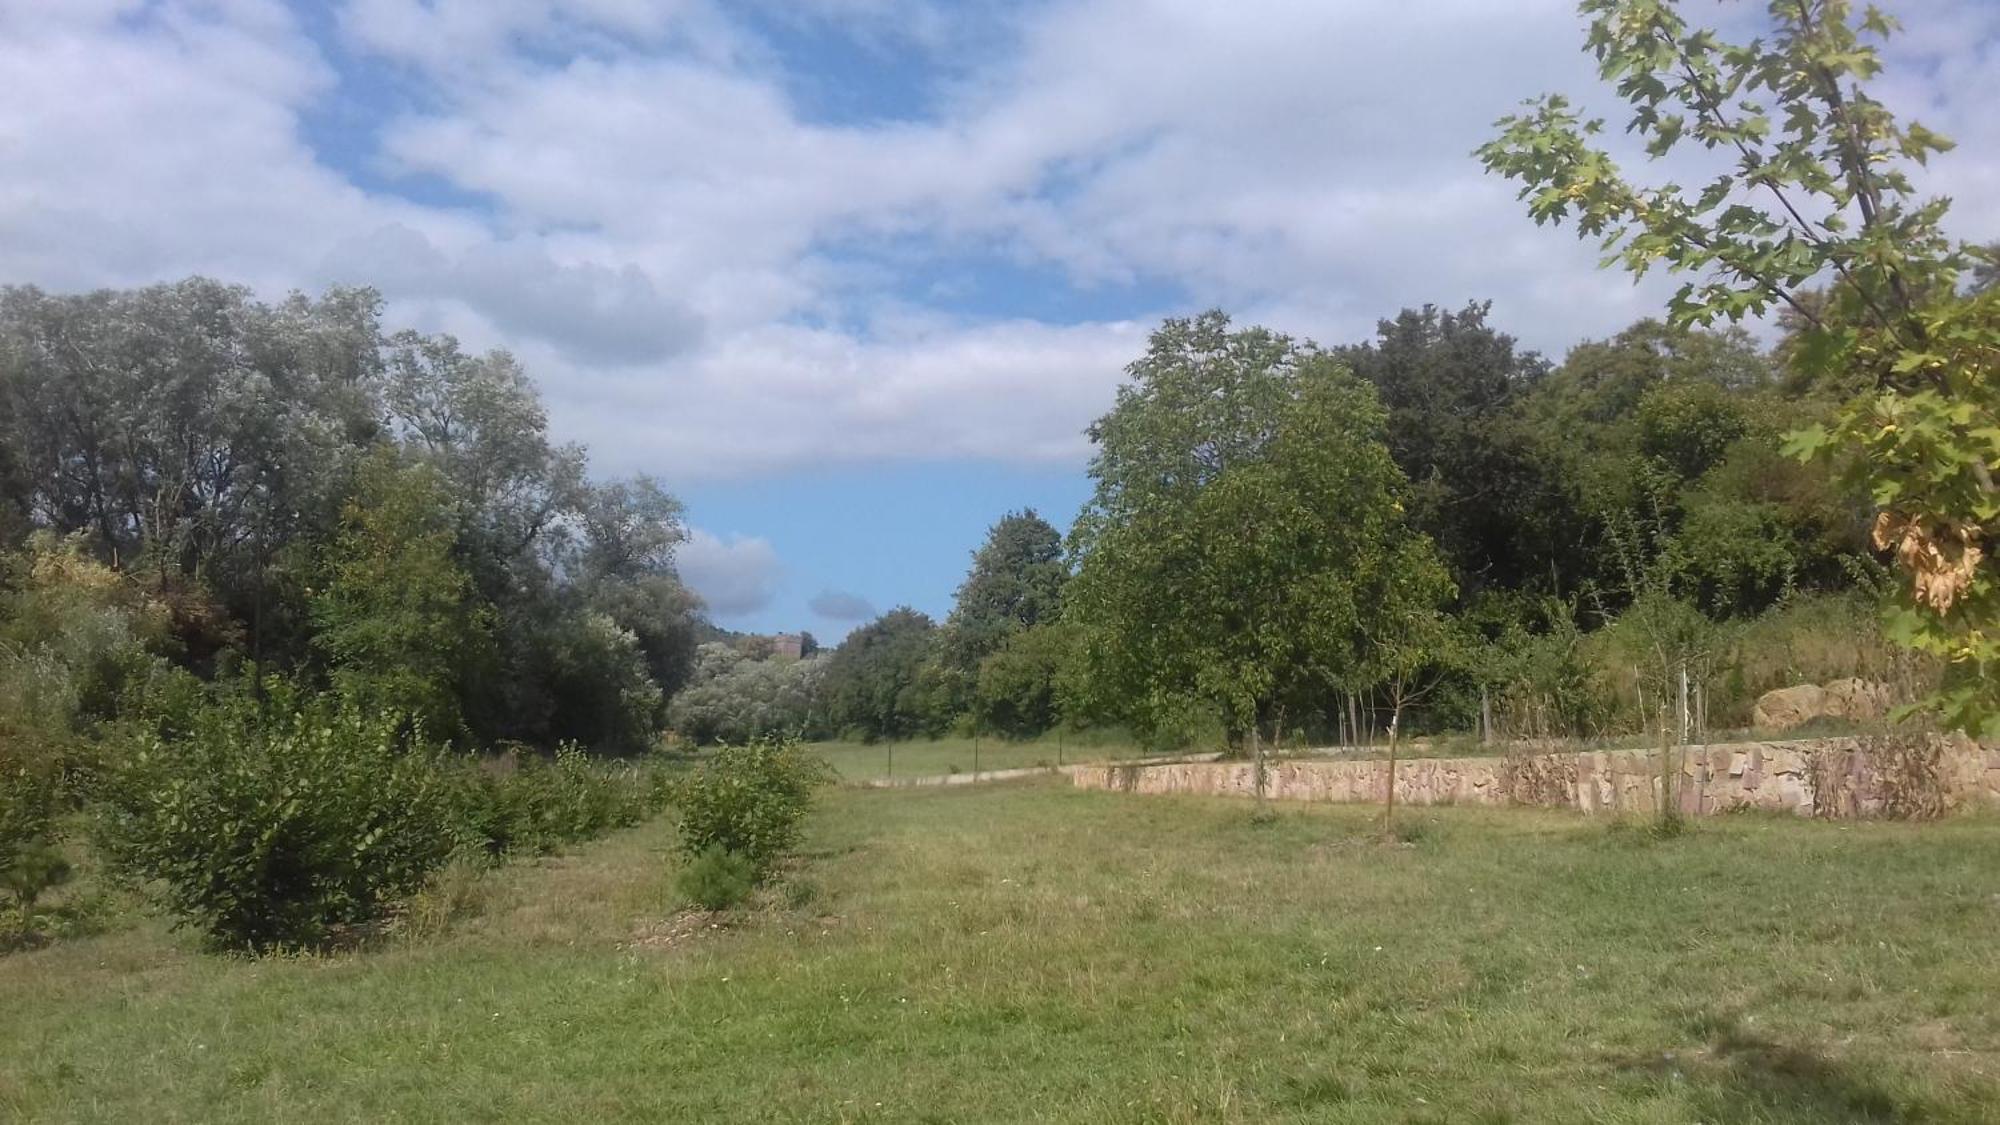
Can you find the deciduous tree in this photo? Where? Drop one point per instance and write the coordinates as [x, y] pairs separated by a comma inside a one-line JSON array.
[[1015, 583], [396, 616], [1246, 532]]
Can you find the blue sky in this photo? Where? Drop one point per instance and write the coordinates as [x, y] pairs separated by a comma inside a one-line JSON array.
[[885, 535], [850, 276]]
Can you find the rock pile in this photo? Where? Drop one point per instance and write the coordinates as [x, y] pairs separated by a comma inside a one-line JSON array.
[[1856, 700]]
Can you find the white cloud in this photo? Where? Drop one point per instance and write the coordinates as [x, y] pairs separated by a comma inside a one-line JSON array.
[[463, 38], [841, 607], [786, 397], [736, 575], [664, 241], [597, 313]]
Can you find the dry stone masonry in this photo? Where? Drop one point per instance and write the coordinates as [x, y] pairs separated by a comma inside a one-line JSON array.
[[1827, 776]]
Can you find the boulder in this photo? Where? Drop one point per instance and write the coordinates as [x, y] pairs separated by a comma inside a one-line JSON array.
[[1857, 700], [1789, 707]]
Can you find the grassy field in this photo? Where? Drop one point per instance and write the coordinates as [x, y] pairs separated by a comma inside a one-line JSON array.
[[927, 757], [1025, 951]]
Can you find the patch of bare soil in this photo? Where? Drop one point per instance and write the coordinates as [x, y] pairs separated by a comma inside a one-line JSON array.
[[678, 929]]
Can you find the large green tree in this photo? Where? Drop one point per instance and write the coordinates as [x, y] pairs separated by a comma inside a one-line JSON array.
[[189, 430], [1015, 583], [624, 569], [1452, 384], [1019, 690], [1246, 536], [1810, 207], [1663, 440], [209, 444], [396, 616], [732, 698], [876, 683]]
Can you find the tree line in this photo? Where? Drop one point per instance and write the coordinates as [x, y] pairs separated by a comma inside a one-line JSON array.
[[1279, 531], [1287, 534], [290, 490]]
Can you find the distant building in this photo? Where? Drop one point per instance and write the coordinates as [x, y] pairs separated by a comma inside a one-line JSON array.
[[791, 646]]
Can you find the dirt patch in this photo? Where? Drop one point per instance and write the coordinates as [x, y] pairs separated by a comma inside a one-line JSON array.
[[678, 929]]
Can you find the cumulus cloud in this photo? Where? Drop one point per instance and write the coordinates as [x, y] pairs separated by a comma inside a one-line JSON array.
[[147, 145], [735, 575], [841, 606], [594, 313], [650, 208], [786, 396]]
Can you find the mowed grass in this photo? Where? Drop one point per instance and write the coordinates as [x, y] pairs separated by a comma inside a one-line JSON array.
[[1031, 952], [930, 757]]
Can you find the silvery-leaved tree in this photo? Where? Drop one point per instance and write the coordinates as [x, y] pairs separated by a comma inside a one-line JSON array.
[[1809, 211]]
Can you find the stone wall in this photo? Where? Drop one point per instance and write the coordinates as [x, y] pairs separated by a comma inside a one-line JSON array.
[[1831, 776]]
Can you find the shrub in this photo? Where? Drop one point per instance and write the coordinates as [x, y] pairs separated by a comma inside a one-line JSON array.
[[750, 799], [717, 878], [30, 861], [1546, 685], [76, 638], [542, 804], [275, 833]]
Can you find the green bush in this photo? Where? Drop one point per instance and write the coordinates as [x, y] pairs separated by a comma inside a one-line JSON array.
[[275, 832], [751, 800], [542, 804], [76, 640], [717, 878], [1546, 683], [30, 861]]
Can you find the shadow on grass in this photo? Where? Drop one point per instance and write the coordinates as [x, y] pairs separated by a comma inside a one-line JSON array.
[[1741, 1076]]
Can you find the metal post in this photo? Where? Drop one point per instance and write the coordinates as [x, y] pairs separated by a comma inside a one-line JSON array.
[[975, 752]]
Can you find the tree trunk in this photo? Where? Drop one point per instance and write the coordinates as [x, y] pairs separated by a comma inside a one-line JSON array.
[[1257, 768], [1389, 806]]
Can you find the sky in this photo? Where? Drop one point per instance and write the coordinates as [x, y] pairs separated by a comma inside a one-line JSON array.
[[850, 277]]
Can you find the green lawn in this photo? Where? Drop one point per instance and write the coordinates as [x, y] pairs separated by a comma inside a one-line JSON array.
[[926, 757], [1030, 952]]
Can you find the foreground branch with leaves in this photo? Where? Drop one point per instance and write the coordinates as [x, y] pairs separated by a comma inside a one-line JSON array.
[[1811, 211]]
